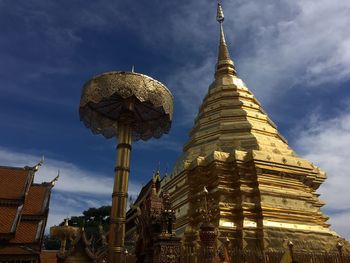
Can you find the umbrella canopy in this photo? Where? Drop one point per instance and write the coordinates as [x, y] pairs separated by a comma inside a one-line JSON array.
[[104, 99]]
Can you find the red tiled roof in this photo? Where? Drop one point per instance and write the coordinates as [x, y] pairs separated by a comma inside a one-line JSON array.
[[7, 217], [12, 182], [15, 185], [26, 232], [34, 202]]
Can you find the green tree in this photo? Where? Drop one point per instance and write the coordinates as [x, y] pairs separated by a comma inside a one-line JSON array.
[[91, 219]]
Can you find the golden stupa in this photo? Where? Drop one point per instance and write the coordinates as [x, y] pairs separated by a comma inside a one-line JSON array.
[[264, 194], [262, 198]]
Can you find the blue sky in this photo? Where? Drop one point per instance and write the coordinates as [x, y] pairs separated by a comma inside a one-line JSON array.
[[294, 56]]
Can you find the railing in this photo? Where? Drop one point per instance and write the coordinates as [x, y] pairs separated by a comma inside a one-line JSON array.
[[299, 257]]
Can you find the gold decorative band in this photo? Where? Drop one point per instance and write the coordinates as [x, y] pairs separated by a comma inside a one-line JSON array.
[[117, 220], [117, 249], [124, 145], [121, 168], [120, 194]]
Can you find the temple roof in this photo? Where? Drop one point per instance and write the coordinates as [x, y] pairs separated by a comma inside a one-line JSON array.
[[14, 182], [7, 219], [23, 211], [148, 187], [26, 232], [36, 201]]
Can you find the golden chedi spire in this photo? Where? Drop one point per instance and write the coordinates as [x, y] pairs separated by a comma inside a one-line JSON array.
[[225, 64], [263, 191], [230, 117]]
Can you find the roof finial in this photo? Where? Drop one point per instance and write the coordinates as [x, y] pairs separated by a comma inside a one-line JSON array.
[[36, 167], [54, 181], [225, 64], [133, 68]]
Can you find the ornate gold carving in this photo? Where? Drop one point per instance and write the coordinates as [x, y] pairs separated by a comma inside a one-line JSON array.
[[103, 97]]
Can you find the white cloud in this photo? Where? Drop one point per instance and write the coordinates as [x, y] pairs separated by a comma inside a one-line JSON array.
[[72, 178], [296, 44], [327, 144], [77, 188], [65, 204]]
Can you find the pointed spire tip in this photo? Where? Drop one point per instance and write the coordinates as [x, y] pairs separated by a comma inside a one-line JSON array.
[[225, 65], [220, 13]]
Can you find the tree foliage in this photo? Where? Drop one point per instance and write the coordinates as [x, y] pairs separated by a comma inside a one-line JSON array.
[[91, 219]]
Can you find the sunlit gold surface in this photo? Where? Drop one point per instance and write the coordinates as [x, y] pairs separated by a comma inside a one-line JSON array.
[[264, 193], [119, 196], [104, 95], [130, 106], [64, 233]]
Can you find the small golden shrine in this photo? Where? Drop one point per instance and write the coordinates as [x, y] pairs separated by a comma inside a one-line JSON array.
[[78, 246], [264, 199]]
